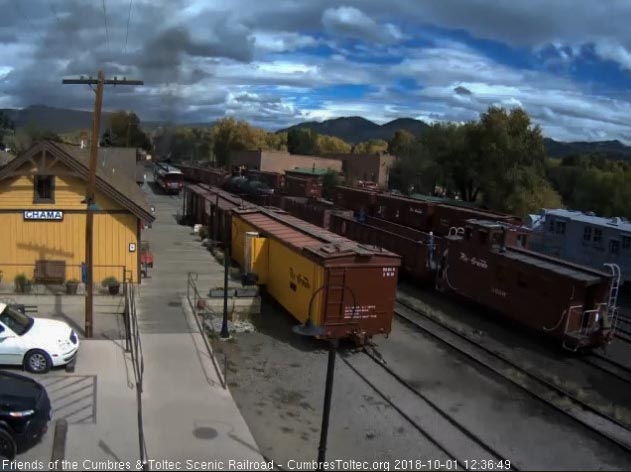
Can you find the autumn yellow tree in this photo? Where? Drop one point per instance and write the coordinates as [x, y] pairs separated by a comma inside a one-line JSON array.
[[333, 145], [373, 146]]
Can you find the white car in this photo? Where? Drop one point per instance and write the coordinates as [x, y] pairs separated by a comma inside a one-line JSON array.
[[36, 343]]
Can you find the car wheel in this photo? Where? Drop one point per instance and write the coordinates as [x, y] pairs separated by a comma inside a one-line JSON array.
[[8, 448], [37, 361]]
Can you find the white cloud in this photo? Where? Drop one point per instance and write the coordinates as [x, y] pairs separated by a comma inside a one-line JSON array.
[[269, 41], [613, 51], [353, 23]]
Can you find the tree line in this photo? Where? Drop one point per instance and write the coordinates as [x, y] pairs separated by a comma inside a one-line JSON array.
[[498, 161]]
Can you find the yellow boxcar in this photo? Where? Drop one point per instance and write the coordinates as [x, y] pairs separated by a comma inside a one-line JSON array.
[[347, 289]]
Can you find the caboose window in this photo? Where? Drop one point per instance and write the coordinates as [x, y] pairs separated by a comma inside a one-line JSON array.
[[626, 242], [598, 235], [587, 233], [560, 228]]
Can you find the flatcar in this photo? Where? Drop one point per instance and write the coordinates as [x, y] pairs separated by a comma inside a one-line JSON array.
[[170, 179], [344, 289], [571, 303]]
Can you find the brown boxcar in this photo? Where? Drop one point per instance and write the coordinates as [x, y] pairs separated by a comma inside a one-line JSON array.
[[316, 212], [360, 200], [406, 211], [346, 289], [296, 186], [418, 250], [448, 216], [554, 297]]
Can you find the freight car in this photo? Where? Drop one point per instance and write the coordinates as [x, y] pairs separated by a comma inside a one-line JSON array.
[[317, 212], [212, 208], [206, 175], [427, 214], [418, 250], [572, 303], [346, 289]]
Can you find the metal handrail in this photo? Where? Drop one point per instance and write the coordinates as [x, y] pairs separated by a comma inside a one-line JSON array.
[[134, 344]]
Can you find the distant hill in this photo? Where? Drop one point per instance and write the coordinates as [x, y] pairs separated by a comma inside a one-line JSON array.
[[354, 129], [59, 120], [610, 149]]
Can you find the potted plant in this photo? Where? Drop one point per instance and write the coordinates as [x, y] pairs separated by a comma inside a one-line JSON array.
[[71, 286], [22, 283], [112, 284]]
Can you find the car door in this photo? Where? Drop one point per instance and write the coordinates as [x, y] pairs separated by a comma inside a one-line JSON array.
[[11, 346]]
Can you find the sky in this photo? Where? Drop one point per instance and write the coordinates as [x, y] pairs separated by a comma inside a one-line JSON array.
[[275, 63]]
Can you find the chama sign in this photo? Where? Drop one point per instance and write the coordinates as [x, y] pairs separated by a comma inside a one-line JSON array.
[[54, 215]]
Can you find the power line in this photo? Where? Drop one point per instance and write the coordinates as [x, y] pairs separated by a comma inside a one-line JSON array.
[[107, 33], [128, 18]]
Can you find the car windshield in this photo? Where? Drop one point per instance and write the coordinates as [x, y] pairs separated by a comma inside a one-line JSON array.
[[15, 320]]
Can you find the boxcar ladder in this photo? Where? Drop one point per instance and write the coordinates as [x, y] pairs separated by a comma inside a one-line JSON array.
[[612, 301]]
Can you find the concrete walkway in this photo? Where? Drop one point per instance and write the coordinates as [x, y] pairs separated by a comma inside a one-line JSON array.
[[187, 413]]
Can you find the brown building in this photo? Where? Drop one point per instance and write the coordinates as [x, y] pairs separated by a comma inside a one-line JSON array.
[[280, 161], [371, 167]]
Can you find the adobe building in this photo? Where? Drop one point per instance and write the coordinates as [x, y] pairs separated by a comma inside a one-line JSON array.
[[280, 161], [366, 167], [43, 215]]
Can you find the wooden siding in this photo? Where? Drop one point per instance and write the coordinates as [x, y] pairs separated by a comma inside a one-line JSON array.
[[24, 242]]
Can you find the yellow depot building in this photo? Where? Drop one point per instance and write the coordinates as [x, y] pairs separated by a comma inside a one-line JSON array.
[[43, 216]]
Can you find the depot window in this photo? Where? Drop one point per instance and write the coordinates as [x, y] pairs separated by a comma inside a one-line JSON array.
[[44, 189]]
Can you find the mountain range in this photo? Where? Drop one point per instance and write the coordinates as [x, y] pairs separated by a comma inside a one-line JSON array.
[[352, 129]]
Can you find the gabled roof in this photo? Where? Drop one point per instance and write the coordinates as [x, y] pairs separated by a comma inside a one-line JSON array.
[[112, 182]]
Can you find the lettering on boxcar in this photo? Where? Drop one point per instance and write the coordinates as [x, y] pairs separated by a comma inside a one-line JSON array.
[[360, 311], [474, 261], [416, 210], [499, 292], [298, 279], [389, 271]]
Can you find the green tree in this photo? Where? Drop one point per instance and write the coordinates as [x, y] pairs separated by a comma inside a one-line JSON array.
[[123, 129], [373, 146], [332, 145], [402, 144], [31, 134], [276, 141], [330, 180], [302, 141], [7, 127], [233, 135], [531, 193]]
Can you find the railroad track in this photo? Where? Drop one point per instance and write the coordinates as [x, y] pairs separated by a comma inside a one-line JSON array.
[[444, 428], [623, 328], [535, 385], [606, 364]]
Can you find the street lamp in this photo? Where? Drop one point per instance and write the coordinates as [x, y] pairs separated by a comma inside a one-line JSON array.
[[311, 330]]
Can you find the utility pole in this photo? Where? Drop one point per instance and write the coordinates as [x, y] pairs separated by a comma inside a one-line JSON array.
[[100, 82]]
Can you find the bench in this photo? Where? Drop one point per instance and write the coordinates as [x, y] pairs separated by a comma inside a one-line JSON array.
[[50, 272]]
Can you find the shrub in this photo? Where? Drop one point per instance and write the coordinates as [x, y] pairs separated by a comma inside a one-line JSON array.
[[203, 232], [22, 283], [72, 281], [109, 281]]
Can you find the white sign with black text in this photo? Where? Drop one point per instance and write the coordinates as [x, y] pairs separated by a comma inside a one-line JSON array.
[[51, 215]]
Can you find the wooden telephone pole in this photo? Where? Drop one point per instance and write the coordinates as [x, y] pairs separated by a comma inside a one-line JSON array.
[[100, 82]]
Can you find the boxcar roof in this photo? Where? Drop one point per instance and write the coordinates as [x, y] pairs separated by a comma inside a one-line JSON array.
[[305, 236], [587, 276]]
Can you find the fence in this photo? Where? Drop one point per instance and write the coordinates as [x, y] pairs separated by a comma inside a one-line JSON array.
[[43, 276], [193, 297], [133, 345]]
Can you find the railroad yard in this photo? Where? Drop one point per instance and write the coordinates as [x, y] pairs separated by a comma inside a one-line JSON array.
[[454, 381]]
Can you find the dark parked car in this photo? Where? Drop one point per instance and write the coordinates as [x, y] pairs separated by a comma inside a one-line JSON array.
[[24, 413]]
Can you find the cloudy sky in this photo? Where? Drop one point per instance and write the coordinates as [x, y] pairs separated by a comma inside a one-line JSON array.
[[279, 62]]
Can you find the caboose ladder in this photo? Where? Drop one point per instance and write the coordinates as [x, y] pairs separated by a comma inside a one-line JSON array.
[[612, 302]]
